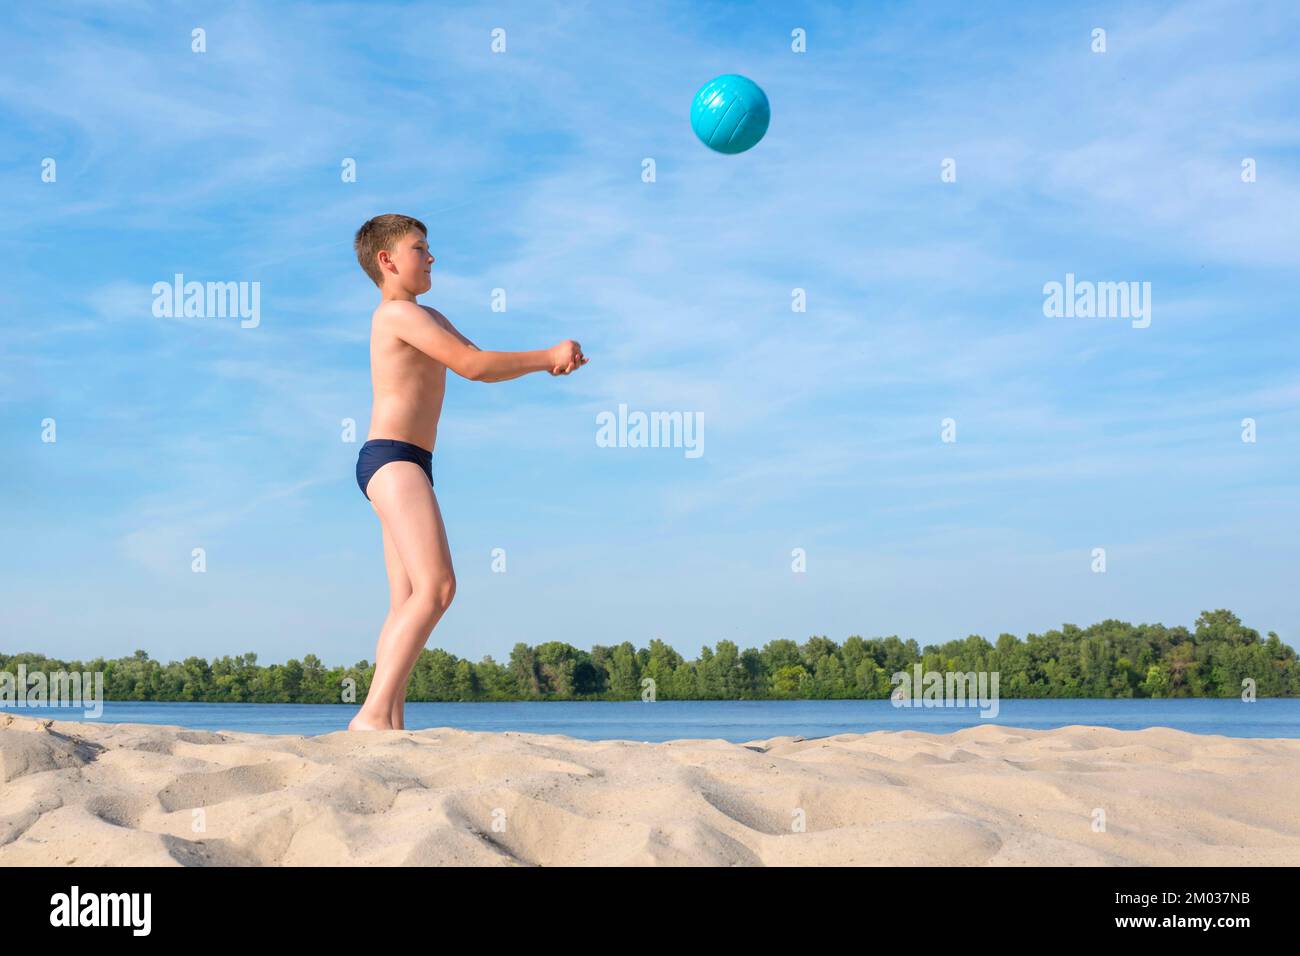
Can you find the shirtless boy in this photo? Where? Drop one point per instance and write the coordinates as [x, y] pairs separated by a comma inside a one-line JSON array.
[[411, 348]]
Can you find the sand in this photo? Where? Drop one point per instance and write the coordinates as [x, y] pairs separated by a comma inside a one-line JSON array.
[[99, 794]]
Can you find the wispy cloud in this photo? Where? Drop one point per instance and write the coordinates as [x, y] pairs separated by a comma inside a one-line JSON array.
[[923, 302]]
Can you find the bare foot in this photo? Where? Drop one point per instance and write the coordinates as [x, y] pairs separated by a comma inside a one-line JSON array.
[[362, 722]]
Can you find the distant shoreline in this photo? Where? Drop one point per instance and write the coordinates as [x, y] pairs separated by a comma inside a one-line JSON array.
[[1218, 657]]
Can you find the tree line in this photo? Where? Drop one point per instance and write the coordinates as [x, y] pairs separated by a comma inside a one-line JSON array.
[[1112, 659]]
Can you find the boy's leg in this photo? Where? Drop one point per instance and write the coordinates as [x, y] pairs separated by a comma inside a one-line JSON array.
[[397, 714], [448, 590], [399, 589], [408, 509]]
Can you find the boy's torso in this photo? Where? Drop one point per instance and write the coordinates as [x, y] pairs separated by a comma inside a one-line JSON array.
[[408, 387]]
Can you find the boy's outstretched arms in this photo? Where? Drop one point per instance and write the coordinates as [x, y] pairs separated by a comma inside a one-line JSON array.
[[569, 353], [446, 324], [429, 331]]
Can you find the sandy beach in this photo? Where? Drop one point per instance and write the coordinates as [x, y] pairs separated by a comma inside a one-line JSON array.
[[90, 794]]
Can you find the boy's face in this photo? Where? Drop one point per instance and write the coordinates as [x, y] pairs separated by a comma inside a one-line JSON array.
[[410, 257]]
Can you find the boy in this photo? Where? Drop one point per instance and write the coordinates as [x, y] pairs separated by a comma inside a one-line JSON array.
[[411, 348]]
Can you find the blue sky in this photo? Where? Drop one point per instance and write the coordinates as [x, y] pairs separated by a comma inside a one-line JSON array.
[[821, 429]]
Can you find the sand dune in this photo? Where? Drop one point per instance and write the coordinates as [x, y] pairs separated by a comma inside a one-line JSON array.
[[98, 794]]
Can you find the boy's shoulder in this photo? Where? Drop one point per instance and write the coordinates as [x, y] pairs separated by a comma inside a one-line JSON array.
[[401, 311], [403, 307], [396, 308]]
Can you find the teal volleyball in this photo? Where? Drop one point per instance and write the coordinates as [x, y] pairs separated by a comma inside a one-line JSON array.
[[730, 113]]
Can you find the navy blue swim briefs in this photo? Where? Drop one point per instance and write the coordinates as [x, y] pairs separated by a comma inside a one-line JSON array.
[[378, 452]]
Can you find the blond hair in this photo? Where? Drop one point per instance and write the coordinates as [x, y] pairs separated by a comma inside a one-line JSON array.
[[382, 234]]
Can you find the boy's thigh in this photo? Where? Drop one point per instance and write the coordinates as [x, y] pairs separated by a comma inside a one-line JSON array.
[[399, 582], [401, 494]]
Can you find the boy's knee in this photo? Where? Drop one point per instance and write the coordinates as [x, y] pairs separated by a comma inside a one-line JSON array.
[[436, 595], [444, 591]]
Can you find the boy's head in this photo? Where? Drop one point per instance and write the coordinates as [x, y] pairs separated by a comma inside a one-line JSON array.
[[395, 248]]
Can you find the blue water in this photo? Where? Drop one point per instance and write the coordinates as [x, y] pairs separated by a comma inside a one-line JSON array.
[[736, 721]]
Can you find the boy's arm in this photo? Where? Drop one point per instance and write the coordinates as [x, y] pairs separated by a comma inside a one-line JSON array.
[[567, 355], [417, 327], [446, 324]]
